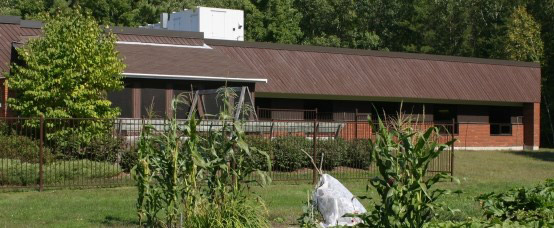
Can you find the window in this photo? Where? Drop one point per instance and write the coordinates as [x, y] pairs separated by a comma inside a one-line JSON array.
[[446, 118], [500, 121]]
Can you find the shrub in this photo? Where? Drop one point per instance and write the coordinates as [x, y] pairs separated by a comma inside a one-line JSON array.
[[520, 204], [128, 159], [288, 155], [517, 207], [4, 128], [23, 148], [262, 144], [104, 148], [87, 139], [15, 172], [358, 154], [333, 151]]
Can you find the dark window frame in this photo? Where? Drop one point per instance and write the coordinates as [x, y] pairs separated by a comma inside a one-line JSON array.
[[503, 129], [500, 121]]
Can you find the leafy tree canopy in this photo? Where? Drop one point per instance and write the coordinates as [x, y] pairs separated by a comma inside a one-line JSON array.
[[523, 40], [67, 71]]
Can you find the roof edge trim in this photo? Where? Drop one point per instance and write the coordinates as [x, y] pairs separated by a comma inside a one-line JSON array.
[[155, 32], [362, 52], [204, 46], [10, 19], [31, 24], [387, 99], [192, 77]]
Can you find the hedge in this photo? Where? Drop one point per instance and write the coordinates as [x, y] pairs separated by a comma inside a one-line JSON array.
[[22, 148], [286, 152], [15, 172]]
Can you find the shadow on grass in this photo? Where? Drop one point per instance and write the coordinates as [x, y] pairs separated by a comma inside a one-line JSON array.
[[539, 155], [116, 221]]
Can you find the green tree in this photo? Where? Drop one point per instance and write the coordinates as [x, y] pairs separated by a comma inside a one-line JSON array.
[[440, 27], [523, 40], [67, 72], [282, 22], [338, 23]]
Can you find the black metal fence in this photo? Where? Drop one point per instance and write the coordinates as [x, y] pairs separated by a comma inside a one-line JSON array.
[[48, 153]]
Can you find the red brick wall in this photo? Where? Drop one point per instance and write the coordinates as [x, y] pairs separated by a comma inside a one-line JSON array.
[[349, 130], [478, 135], [531, 122], [470, 135]]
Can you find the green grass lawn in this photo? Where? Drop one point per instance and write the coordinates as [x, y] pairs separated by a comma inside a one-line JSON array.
[[479, 172]]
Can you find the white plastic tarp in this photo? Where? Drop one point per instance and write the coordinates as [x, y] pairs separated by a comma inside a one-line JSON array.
[[333, 201]]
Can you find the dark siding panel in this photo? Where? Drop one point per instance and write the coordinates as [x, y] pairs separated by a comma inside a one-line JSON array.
[[473, 114], [155, 98], [124, 100], [287, 104]]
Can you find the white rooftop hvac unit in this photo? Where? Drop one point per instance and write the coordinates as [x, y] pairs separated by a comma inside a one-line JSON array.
[[215, 23]]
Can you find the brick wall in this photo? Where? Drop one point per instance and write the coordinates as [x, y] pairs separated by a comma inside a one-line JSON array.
[[351, 131], [531, 122], [478, 135]]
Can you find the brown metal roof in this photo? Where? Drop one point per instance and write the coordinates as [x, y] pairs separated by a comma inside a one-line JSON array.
[[8, 34], [295, 71], [348, 51], [174, 60], [301, 71], [144, 59]]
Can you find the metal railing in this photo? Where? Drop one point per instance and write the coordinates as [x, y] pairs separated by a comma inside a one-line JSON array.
[[48, 153]]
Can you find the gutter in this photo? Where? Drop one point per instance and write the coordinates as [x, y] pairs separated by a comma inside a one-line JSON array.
[[192, 77]]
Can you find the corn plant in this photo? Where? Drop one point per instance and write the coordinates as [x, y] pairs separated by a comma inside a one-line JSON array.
[[182, 183], [402, 155]]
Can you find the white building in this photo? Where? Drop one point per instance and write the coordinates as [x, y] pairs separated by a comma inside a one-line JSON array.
[[215, 23]]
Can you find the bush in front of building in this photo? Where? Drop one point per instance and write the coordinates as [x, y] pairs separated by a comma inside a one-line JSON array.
[[358, 154], [16, 172], [263, 144], [22, 148], [286, 152], [288, 155], [333, 152]]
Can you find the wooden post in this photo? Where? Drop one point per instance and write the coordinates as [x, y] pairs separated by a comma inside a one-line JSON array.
[[41, 154]]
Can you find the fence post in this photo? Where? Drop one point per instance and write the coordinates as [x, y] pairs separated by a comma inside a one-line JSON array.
[[314, 155], [41, 154], [452, 148], [356, 124]]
